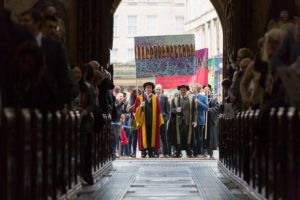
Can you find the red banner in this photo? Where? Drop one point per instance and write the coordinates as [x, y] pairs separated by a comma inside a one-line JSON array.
[[202, 77], [171, 82]]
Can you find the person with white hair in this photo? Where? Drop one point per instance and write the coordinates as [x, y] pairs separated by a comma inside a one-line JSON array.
[[119, 105], [95, 64], [165, 109], [202, 107]]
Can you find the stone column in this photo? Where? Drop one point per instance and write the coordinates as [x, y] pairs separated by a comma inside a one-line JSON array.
[[95, 24]]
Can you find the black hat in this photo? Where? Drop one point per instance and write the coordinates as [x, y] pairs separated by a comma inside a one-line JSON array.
[[209, 86], [183, 86], [148, 83]]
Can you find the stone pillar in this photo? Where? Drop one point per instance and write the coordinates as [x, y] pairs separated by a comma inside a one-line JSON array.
[[95, 24]]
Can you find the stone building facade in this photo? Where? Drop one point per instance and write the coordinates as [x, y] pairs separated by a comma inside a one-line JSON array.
[[203, 21], [141, 18]]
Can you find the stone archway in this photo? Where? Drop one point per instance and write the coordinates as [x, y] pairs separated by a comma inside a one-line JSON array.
[[243, 23]]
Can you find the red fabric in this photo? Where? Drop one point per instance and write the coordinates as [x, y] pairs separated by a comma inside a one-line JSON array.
[[202, 77], [124, 138], [172, 82], [157, 138]]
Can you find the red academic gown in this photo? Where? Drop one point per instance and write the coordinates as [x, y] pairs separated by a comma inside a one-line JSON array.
[[157, 121]]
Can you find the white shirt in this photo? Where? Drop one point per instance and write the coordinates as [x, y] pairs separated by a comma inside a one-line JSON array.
[[38, 39], [148, 96]]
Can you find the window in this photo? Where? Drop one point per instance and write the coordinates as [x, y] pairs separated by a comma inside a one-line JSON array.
[[116, 25], [132, 25], [131, 55], [179, 1], [151, 25], [114, 56], [179, 24], [152, 1], [132, 0]]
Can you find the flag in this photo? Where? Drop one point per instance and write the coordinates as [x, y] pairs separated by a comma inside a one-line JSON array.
[[202, 66]]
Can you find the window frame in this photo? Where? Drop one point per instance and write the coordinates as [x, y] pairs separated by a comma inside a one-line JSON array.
[[155, 24], [132, 35], [176, 25], [116, 57], [116, 26]]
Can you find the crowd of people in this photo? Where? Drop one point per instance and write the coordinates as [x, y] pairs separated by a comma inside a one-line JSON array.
[[37, 74], [162, 125], [256, 82]]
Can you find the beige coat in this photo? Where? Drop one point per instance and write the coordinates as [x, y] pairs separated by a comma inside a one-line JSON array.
[[250, 89]]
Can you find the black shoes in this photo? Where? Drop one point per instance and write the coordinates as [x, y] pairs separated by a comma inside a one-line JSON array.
[[177, 155], [190, 155], [144, 154], [151, 155], [133, 155]]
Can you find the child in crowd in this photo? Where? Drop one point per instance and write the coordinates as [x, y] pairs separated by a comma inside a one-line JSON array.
[[124, 140], [116, 130]]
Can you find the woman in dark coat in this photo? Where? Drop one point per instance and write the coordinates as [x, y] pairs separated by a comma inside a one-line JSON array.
[[85, 104]]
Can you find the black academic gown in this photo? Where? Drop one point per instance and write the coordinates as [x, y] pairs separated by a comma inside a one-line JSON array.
[[212, 140]]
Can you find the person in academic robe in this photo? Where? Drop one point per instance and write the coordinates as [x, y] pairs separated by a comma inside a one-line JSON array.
[[149, 118], [212, 122], [184, 115]]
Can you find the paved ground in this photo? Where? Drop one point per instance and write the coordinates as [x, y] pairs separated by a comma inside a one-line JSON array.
[[155, 179]]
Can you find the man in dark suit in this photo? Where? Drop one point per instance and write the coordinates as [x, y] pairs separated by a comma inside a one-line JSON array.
[[54, 81], [165, 109]]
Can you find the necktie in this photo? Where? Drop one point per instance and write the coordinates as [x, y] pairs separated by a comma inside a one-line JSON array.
[[182, 101], [149, 98]]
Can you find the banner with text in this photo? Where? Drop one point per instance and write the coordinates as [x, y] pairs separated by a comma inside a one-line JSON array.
[[161, 56], [201, 76]]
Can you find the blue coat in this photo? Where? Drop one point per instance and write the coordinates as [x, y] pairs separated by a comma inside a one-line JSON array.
[[201, 109]]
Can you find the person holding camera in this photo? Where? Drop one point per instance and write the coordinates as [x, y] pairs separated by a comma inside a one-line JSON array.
[[149, 118], [184, 111]]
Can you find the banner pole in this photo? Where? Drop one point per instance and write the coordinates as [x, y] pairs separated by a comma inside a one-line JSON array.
[[206, 118], [136, 84]]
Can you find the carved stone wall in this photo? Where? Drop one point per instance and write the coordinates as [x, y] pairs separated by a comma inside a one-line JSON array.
[[18, 6], [66, 9], [95, 26], [244, 22]]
